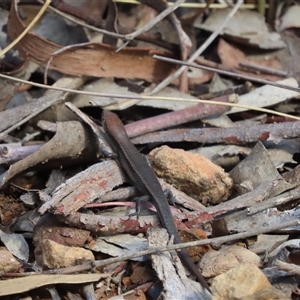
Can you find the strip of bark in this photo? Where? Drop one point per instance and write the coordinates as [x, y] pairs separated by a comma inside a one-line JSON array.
[[233, 135]]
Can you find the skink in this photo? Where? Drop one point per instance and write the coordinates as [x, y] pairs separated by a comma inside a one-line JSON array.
[[142, 175]]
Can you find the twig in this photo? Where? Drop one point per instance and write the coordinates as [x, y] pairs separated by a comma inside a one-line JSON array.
[[218, 241], [181, 116], [83, 24], [77, 21], [45, 102], [169, 79], [198, 5], [292, 269], [227, 73], [9, 154], [230, 135], [275, 201], [146, 97], [62, 50], [151, 24], [239, 90], [262, 69]]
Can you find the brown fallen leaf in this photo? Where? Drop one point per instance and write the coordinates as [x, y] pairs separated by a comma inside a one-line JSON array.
[[90, 59], [232, 57]]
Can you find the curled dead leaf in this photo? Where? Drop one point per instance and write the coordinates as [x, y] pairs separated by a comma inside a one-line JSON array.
[[89, 59]]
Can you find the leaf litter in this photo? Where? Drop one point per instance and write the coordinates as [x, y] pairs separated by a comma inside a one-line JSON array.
[[64, 206]]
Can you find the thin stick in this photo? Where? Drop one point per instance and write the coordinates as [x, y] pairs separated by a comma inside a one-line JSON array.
[[218, 241], [83, 24], [145, 97], [152, 23], [198, 5], [263, 69], [198, 52], [227, 73], [105, 262]]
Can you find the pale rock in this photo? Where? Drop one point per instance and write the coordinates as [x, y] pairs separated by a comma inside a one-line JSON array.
[[239, 282], [55, 255], [214, 262], [192, 173], [8, 263], [270, 293]]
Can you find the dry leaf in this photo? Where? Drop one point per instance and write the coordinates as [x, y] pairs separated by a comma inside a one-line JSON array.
[[70, 144], [231, 57], [21, 285], [245, 27], [90, 59]]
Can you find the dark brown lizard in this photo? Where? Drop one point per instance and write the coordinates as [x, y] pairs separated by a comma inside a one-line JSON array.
[[142, 175]]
